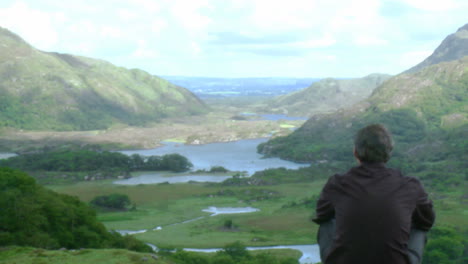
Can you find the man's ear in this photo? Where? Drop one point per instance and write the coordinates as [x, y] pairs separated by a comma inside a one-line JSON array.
[[356, 155]]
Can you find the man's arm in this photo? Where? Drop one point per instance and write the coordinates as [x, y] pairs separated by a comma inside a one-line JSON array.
[[325, 209], [423, 215]]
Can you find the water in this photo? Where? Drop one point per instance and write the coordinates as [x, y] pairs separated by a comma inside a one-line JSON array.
[[6, 155], [235, 156], [229, 210], [310, 253], [212, 209], [275, 117], [153, 178]]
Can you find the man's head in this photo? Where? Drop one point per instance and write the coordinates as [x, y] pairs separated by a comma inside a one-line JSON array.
[[373, 143]]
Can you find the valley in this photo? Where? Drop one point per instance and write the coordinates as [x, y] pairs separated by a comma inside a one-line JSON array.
[[217, 126], [256, 153]]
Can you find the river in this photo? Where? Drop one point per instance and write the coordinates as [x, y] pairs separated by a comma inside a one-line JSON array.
[[310, 253]]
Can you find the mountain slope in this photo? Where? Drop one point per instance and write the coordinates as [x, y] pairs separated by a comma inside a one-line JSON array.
[[46, 90], [454, 46], [411, 105], [426, 111], [326, 95]]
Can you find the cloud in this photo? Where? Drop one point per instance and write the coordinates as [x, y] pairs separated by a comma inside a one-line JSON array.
[[158, 24], [234, 37], [363, 40], [412, 58], [143, 51], [148, 5], [126, 14], [280, 44], [240, 38], [435, 5], [189, 14], [111, 32], [35, 26]]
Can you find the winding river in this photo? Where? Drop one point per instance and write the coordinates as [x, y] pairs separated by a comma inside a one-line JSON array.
[[310, 253]]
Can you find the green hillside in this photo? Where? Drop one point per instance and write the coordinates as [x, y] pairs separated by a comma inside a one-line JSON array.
[[53, 91], [424, 108], [36, 216], [426, 111], [325, 96]]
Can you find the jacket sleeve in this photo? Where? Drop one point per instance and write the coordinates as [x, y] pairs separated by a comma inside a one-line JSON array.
[[325, 209], [423, 215]]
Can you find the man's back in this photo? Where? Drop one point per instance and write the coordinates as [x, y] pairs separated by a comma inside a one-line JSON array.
[[375, 208]]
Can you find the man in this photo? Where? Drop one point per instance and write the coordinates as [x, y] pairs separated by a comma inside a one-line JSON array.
[[368, 213]]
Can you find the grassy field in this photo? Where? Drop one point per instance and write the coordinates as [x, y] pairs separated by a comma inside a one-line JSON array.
[[25, 255], [166, 205]]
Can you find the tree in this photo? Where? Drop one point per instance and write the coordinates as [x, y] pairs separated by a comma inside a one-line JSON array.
[[176, 162], [236, 250], [31, 215], [112, 201], [445, 246]]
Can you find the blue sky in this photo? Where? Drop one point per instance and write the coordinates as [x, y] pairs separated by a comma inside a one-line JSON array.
[[241, 38]]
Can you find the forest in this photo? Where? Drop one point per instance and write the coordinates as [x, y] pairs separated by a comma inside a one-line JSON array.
[[87, 160]]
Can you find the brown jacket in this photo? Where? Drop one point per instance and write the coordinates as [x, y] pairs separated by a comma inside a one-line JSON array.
[[375, 208]]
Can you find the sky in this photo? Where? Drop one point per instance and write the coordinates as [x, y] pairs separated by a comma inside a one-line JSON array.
[[241, 38]]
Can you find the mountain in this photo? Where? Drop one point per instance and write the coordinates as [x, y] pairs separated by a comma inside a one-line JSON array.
[[426, 112], [326, 95], [54, 91], [215, 87], [453, 47]]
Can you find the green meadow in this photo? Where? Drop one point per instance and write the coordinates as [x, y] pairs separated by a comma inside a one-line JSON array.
[[168, 205], [26, 255], [281, 220]]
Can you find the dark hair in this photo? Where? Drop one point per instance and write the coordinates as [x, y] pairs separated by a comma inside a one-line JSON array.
[[373, 143]]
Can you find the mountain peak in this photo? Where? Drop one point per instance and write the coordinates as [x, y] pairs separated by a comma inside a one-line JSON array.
[[5, 33], [465, 27], [453, 47]]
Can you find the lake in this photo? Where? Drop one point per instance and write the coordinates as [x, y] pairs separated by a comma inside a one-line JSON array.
[[235, 156]]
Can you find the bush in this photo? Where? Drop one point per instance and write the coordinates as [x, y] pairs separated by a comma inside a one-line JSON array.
[[218, 169], [112, 201], [32, 215]]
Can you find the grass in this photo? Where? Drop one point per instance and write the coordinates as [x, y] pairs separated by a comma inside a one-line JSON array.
[[175, 140], [163, 205], [25, 255], [287, 126], [274, 224]]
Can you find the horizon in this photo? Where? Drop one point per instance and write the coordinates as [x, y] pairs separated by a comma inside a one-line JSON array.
[[241, 38]]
